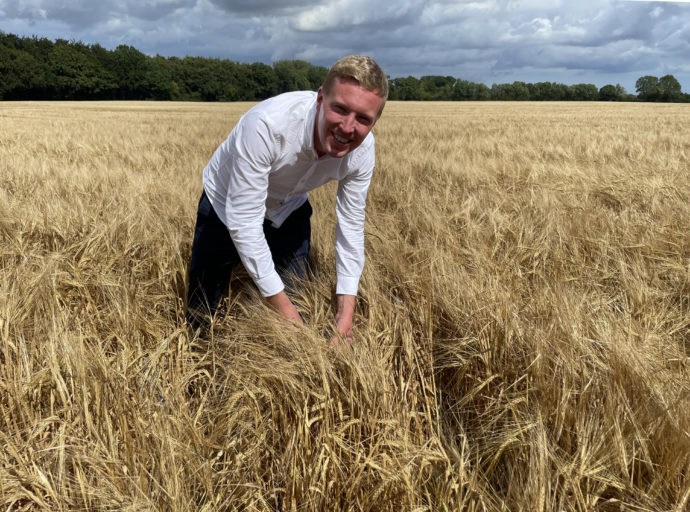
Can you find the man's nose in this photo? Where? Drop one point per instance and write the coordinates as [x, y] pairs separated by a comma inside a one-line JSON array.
[[348, 124]]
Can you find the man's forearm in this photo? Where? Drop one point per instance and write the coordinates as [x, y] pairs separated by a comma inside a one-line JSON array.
[[343, 319], [283, 305], [346, 307]]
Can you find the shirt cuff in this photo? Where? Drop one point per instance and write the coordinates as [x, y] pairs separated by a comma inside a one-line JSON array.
[[347, 285], [270, 285]]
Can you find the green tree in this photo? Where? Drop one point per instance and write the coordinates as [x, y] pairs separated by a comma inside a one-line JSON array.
[[648, 88], [264, 81], [517, 91], [548, 91], [520, 91], [173, 67], [204, 79], [74, 73], [161, 85], [234, 85], [405, 89], [620, 91], [464, 90], [608, 93], [316, 76], [22, 76], [584, 92], [670, 87], [131, 69], [292, 75], [39, 49], [436, 88], [481, 92], [501, 92]]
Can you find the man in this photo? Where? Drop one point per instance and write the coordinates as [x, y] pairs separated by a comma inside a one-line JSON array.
[[254, 207]]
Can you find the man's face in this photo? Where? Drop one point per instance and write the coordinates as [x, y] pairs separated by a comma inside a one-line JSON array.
[[344, 117]]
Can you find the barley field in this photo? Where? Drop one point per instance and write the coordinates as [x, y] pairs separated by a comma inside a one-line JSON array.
[[522, 338]]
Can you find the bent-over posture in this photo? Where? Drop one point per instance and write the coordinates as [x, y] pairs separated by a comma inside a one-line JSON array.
[[254, 208]]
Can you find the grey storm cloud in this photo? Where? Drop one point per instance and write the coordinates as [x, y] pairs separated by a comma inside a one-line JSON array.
[[86, 13], [616, 57], [485, 40], [260, 8], [155, 10]]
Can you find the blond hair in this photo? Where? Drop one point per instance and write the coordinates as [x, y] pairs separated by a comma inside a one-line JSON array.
[[364, 70]]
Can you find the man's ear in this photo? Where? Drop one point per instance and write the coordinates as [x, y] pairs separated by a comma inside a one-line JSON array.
[[319, 96]]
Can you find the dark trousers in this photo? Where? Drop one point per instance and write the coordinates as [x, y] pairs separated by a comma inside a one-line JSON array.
[[214, 257]]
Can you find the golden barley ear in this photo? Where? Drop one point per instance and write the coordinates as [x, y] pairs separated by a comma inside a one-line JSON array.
[[521, 334]]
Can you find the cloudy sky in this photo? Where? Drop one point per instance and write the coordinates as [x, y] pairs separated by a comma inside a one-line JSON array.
[[491, 41]]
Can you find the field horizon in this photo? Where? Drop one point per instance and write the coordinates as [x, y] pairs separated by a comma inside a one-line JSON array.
[[522, 332]]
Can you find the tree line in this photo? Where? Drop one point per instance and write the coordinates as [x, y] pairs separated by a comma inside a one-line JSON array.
[[33, 68]]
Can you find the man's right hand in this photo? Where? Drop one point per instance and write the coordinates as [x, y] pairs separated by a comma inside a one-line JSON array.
[[283, 305]]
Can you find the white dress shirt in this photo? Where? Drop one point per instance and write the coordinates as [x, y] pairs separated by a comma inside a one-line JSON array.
[[264, 170]]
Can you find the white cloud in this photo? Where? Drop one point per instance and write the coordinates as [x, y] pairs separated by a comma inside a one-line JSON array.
[[534, 5], [436, 13], [342, 15], [597, 41]]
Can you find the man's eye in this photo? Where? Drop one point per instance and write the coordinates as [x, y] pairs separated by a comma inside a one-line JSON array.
[[339, 109]]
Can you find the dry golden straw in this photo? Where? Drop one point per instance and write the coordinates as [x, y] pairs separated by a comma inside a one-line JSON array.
[[522, 335]]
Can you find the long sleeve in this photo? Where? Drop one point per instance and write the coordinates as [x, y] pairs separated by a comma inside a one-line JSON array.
[[249, 156], [349, 235], [263, 172]]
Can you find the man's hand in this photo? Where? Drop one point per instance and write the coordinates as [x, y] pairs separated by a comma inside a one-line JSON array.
[[343, 320], [283, 305]]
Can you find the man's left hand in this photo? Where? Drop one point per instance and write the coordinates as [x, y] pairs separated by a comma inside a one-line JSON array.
[[343, 320]]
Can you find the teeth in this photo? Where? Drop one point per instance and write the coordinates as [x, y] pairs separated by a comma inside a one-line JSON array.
[[340, 139]]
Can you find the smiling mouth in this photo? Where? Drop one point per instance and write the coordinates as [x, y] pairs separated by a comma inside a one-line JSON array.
[[341, 140]]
